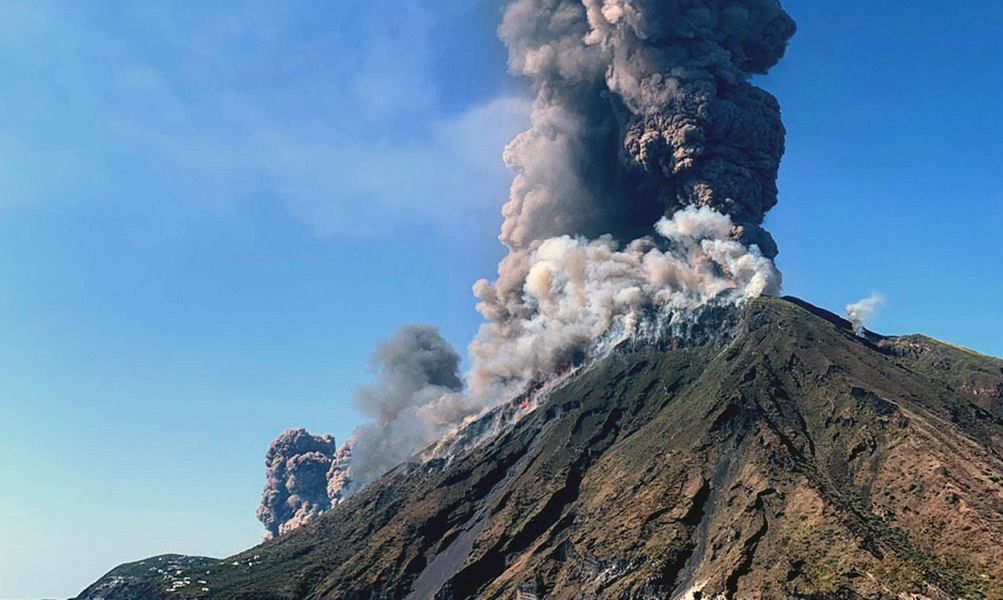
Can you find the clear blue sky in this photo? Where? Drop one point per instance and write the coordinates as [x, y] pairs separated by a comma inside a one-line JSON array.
[[209, 215]]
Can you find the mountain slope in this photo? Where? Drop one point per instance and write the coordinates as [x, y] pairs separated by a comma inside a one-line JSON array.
[[791, 458]]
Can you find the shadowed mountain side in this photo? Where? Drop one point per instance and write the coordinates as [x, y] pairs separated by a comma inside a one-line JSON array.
[[794, 459]]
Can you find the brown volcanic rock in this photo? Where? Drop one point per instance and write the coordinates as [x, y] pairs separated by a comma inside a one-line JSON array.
[[792, 460]]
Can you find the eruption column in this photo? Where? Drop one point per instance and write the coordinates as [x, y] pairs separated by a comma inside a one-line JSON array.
[[639, 196]]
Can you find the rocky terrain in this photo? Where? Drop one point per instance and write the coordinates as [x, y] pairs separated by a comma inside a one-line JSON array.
[[789, 459]]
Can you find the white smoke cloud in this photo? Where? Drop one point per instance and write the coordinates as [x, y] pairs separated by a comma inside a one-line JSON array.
[[577, 290], [862, 311]]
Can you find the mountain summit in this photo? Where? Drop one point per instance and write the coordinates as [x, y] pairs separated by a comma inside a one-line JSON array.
[[787, 457]]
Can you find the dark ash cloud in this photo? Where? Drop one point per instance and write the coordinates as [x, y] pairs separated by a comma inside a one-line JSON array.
[[296, 468]]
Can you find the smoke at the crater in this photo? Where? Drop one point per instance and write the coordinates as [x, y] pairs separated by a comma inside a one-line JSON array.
[[639, 195], [576, 290]]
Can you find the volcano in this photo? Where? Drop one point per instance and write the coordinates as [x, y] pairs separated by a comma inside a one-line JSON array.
[[784, 456]]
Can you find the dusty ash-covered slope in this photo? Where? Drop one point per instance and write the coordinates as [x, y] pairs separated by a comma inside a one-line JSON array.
[[793, 460]]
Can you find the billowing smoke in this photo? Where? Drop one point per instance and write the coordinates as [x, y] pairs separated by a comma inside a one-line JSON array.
[[860, 312], [643, 111], [639, 196], [576, 291], [643, 107], [296, 468], [414, 399]]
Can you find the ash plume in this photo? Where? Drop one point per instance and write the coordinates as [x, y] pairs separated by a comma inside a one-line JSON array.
[[296, 468], [862, 311], [414, 399], [415, 396], [639, 196], [643, 107], [643, 112]]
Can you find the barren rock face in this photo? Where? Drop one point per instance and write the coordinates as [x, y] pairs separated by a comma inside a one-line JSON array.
[[789, 459]]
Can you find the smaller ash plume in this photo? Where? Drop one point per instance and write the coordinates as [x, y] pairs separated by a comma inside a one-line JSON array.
[[860, 312], [297, 466], [415, 397], [414, 401]]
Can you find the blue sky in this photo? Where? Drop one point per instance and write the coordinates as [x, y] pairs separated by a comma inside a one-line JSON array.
[[209, 215]]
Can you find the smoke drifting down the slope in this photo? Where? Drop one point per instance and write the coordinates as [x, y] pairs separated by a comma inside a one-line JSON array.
[[581, 291], [643, 115]]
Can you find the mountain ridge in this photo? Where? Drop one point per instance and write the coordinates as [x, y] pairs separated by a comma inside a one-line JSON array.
[[792, 459]]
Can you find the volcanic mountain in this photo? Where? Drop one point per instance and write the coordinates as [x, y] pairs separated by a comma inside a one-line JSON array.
[[782, 457]]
